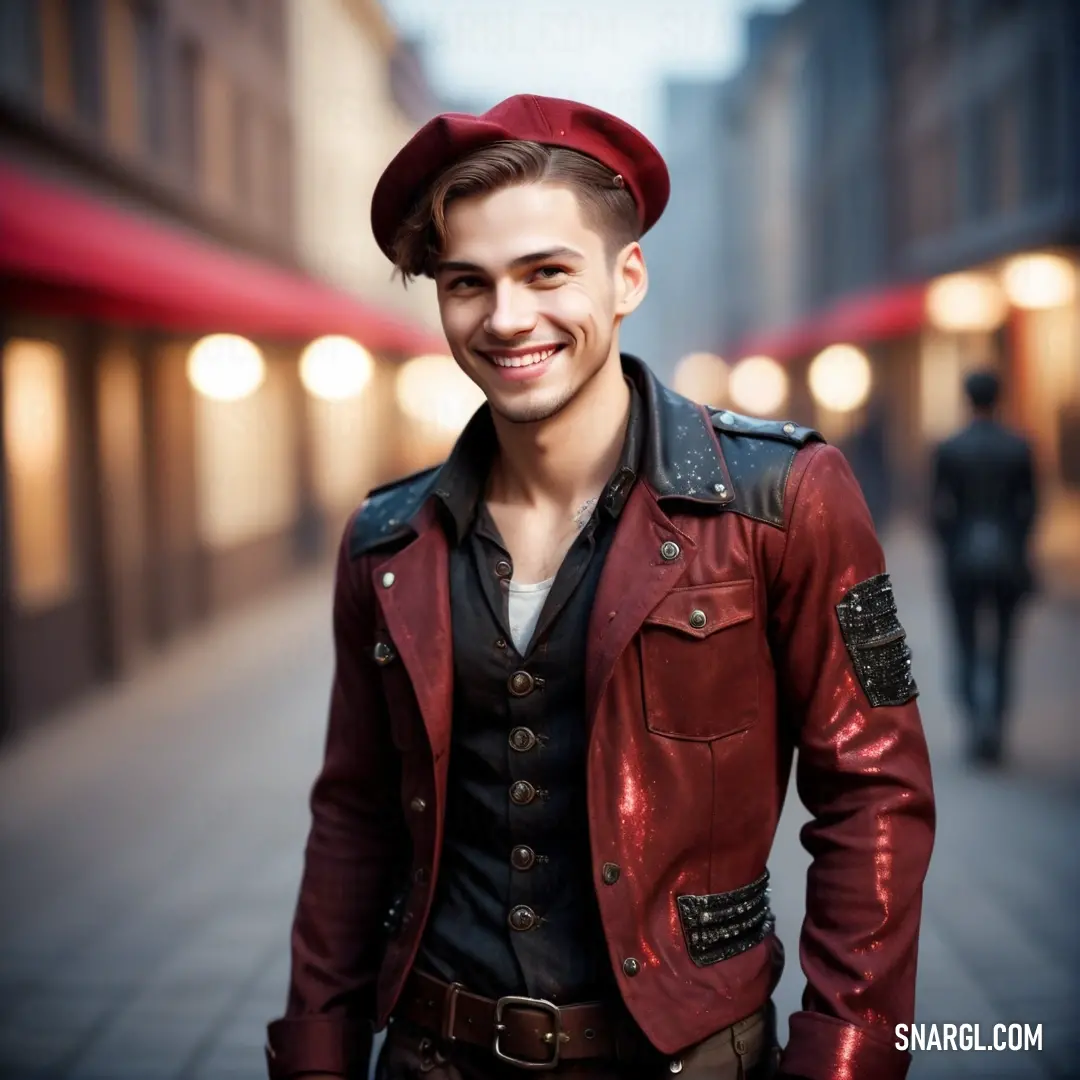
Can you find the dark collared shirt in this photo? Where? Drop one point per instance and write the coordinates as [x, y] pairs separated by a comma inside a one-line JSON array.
[[515, 911]]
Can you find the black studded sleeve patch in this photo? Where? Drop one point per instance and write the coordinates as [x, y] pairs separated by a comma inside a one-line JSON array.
[[877, 642]]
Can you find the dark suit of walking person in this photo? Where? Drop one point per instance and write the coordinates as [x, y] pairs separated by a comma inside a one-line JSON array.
[[984, 508]]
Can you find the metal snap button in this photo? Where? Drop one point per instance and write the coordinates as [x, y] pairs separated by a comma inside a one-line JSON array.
[[630, 967], [669, 550], [418, 805], [387, 579], [521, 918], [675, 1065], [382, 653], [726, 418], [521, 683], [522, 857], [610, 872], [522, 739], [697, 618], [789, 428], [503, 568], [522, 792]]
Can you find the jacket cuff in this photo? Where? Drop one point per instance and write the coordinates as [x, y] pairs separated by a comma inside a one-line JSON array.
[[318, 1044], [822, 1048]]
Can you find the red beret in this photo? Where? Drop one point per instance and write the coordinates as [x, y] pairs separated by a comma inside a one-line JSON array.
[[526, 117]]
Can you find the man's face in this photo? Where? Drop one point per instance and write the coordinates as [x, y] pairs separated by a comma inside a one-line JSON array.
[[530, 298]]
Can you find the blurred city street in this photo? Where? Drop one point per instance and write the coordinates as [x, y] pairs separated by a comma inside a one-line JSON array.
[[151, 840]]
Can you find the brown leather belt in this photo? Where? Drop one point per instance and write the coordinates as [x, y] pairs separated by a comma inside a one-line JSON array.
[[527, 1032]]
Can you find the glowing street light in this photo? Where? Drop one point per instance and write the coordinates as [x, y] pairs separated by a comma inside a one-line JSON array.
[[225, 367], [702, 377], [335, 368], [758, 385], [840, 378], [973, 303], [1039, 281], [434, 390]]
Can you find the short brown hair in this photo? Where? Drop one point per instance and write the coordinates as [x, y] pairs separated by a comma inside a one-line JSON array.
[[606, 204]]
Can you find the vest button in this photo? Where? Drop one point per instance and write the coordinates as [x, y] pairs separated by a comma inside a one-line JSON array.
[[522, 792], [522, 857], [669, 550], [522, 918], [630, 967], [521, 683], [382, 653], [610, 873], [522, 739], [503, 568], [697, 618]]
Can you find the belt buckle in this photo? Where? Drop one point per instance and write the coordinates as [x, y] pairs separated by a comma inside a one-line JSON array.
[[555, 1038]]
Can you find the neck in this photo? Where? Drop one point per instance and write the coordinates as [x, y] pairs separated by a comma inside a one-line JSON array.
[[566, 459]]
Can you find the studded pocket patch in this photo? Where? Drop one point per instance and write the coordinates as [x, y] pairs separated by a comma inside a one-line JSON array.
[[722, 925], [877, 642]]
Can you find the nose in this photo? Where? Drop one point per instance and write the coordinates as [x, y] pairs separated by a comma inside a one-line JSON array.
[[512, 312]]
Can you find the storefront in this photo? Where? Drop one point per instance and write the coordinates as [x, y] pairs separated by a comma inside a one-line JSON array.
[[183, 426]]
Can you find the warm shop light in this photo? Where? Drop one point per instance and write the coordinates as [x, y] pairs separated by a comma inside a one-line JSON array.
[[840, 378], [434, 390], [702, 377], [335, 368], [225, 367], [1039, 281], [972, 303], [758, 385]]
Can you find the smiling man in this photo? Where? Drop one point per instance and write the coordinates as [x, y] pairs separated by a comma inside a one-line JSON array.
[[573, 666]]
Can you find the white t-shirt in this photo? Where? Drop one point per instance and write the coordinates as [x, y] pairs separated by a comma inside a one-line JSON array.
[[526, 603]]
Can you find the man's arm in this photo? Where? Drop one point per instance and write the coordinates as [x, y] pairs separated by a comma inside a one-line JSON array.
[[357, 831], [862, 772]]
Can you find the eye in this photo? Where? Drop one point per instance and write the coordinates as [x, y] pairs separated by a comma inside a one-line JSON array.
[[550, 273], [469, 281]]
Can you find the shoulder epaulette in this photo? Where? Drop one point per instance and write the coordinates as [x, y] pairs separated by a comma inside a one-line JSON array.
[[759, 455], [785, 430], [388, 511]]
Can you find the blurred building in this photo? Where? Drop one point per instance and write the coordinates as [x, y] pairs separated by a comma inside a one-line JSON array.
[[163, 275], [901, 178]]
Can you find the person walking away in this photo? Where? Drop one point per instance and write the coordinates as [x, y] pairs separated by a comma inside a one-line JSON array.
[[984, 506]]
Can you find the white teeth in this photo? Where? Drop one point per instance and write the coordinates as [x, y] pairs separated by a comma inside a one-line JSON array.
[[523, 361]]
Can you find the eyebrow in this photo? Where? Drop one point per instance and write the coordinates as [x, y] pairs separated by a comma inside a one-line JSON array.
[[515, 264]]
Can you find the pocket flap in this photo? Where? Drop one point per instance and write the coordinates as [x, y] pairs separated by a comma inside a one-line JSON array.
[[701, 610]]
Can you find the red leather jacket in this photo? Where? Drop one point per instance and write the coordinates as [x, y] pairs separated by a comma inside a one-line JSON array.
[[743, 614]]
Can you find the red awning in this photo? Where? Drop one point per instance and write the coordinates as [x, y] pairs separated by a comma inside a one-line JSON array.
[[859, 319], [62, 251]]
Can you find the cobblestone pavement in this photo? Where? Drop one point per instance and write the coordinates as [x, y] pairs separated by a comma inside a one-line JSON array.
[[150, 845]]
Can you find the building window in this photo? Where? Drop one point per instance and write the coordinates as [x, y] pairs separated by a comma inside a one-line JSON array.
[[188, 106], [20, 48], [38, 473], [1008, 147], [86, 45], [1043, 124], [149, 85]]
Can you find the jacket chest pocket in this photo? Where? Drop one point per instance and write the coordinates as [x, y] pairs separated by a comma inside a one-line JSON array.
[[700, 662]]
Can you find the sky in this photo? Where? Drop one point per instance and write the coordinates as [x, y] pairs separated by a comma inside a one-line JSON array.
[[613, 54]]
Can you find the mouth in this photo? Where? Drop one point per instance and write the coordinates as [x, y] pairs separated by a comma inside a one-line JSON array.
[[522, 358]]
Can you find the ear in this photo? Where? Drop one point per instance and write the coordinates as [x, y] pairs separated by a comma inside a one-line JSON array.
[[631, 279]]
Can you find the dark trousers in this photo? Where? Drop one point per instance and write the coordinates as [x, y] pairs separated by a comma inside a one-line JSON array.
[[984, 626], [745, 1051]]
